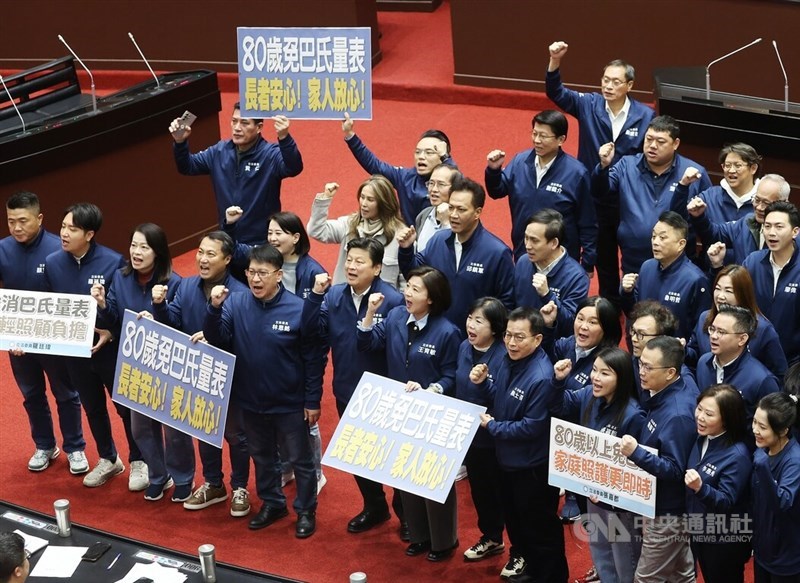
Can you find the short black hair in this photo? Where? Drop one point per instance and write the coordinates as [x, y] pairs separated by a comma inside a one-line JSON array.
[[534, 318], [255, 119], [784, 206], [266, 253], [12, 554], [439, 135], [672, 352], [372, 246], [553, 222], [227, 245], [675, 221], [24, 200], [289, 222], [746, 321], [464, 184], [666, 322], [731, 408], [553, 118], [437, 285], [665, 123], [495, 312], [86, 216]]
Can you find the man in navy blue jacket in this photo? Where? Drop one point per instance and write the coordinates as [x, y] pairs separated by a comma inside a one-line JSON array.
[[432, 149], [246, 171], [776, 275], [547, 177], [669, 277], [609, 116], [22, 256], [549, 274], [670, 429], [520, 425], [277, 382], [336, 311], [186, 312], [475, 262], [646, 184], [74, 270]]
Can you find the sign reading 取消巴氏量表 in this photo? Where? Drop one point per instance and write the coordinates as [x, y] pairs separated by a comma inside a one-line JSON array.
[[47, 323], [161, 373], [590, 463], [415, 441], [305, 73]]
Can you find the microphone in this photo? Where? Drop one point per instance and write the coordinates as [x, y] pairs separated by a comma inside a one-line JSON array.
[[708, 74], [133, 40], [11, 99], [91, 77], [785, 78]]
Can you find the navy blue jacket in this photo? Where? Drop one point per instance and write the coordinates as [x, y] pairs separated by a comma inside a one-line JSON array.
[[126, 293], [765, 345], [486, 269], [751, 378], [431, 358], [251, 180], [468, 391], [682, 287], [334, 314], [741, 237], [186, 311], [642, 198], [22, 266], [720, 207], [521, 425], [644, 396], [776, 510], [64, 274], [279, 364], [572, 405], [669, 428], [565, 348], [595, 126], [410, 186], [564, 187], [568, 283], [782, 307], [725, 472]]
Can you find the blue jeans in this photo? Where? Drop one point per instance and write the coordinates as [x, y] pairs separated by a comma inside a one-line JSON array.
[[173, 456], [29, 372], [211, 456], [615, 545], [264, 433]]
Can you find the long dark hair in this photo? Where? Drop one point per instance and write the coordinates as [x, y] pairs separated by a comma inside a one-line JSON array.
[[157, 240], [620, 362]]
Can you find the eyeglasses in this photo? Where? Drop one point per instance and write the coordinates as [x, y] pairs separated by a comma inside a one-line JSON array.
[[758, 201], [261, 273], [543, 137], [639, 335], [648, 368], [713, 330], [437, 183], [734, 166], [516, 337], [612, 82]]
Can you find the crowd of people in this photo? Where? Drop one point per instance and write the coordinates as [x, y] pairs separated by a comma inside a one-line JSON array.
[[423, 293]]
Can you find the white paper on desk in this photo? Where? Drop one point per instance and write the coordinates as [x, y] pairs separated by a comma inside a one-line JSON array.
[[32, 543], [58, 562], [155, 572]]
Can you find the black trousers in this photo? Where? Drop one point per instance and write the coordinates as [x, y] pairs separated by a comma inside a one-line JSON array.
[[722, 563], [484, 485]]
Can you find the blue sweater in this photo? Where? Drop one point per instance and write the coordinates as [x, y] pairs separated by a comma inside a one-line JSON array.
[[279, 364], [765, 345], [568, 283], [251, 180], [594, 123], [126, 293], [486, 269], [430, 358], [564, 187], [741, 237], [334, 314], [187, 309], [682, 287], [725, 472], [22, 266], [751, 378], [468, 391], [670, 429], [776, 510], [410, 186], [643, 196], [521, 425], [783, 306]]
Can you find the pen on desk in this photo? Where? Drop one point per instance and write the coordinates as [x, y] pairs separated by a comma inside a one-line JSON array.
[[114, 561]]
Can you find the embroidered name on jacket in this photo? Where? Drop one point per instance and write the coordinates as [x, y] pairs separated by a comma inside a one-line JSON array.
[[554, 187], [791, 288], [40, 268], [709, 469], [517, 393], [556, 292], [632, 132], [474, 267], [99, 278], [581, 378], [651, 425], [252, 166], [426, 348], [674, 297], [281, 326]]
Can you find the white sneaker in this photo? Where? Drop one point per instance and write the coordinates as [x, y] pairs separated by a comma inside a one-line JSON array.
[[78, 464], [321, 481], [101, 473], [40, 459], [514, 566], [139, 479]]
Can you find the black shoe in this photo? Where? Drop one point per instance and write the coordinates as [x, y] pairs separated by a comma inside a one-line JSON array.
[[367, 519], [405, 533], [306, 524], [266, 516], [415, 549], [436, 556]]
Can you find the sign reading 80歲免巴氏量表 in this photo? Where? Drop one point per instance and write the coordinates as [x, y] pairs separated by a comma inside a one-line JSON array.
[[305, 73]]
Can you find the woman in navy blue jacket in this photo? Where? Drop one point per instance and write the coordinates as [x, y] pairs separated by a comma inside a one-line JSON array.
[[486, 325], [168, 453], [421, 351], [776, 491], [607, 405], [717, 481]]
